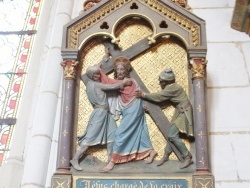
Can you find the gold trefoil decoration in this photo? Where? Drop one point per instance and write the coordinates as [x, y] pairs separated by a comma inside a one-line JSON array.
[[77, 29]]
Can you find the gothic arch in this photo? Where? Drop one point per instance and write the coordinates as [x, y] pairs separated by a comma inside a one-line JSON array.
[[165, 19]]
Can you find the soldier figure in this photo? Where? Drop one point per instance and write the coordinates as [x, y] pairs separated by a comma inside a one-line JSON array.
[[182, 120]]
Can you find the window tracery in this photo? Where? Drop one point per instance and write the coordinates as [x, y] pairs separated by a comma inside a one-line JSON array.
[[18, 22]]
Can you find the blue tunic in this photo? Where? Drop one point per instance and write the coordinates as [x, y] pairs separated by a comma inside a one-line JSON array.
[[101, 125], [132, 141]]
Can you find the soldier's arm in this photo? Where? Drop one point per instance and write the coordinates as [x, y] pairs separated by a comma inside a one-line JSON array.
[[84, 79], [119, 85]]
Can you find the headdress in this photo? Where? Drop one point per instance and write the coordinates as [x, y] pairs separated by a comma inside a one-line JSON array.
[[124, 62], [91, 70], [167, 75]]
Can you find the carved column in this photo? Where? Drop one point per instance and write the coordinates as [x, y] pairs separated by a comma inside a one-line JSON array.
[[198, 66], [67, 120]]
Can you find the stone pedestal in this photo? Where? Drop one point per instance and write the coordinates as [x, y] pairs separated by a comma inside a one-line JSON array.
[[61, 180]]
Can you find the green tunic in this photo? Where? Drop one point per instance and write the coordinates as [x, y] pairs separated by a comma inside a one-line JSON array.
[[175, 94]]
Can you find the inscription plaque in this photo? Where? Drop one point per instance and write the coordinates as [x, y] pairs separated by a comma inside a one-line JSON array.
[[123, 183]]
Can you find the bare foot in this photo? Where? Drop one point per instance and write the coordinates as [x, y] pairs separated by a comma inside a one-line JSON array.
[[109, 167], [152, 155]]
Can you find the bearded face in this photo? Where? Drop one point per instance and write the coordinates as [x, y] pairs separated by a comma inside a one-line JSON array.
[[121, 72]]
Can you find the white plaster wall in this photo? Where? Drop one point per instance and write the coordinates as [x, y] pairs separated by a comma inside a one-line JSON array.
[[32, 157], [228, 94], [11, 173], [42, 147], [78, 6]]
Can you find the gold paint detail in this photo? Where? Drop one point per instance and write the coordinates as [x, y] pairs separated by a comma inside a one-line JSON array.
[[151, 40], [77, 177], [67, 109], [116, 41], [182, 3], [177, 18], [193, 28], [69, 85], [202, 161], [204, 182], [78, 28], [198, 67], [198, 85], [75, 30], [131, 31], [199, 108], [61, 181], [201, 134], [65, 133], [63, 160], [70, 67], [166, 53]]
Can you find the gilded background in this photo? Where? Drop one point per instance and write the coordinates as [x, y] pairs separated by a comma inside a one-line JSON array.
[[169, 52]]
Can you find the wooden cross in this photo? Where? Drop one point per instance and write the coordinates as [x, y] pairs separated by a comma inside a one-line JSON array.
[[155, 111]]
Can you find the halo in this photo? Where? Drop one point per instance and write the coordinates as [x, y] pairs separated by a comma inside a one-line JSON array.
[[125, 61]]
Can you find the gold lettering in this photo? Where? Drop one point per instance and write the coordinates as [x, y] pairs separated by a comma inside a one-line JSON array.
[[129, 184]]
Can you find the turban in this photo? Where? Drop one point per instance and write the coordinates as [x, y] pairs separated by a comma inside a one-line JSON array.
[[91, 70]]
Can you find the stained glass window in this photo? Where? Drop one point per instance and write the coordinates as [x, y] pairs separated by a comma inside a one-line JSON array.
[[18, 22]]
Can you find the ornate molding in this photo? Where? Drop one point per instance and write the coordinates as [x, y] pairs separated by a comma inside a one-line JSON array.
[[198, 67], [179, 19], [182, 3], [203, 181], [70, 67], [88, 4], [61, 181], [88, 21], [193, 28]]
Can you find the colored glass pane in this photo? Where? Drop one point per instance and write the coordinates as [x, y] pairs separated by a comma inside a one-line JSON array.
[[8, 50], [15, 50], [13, 14]]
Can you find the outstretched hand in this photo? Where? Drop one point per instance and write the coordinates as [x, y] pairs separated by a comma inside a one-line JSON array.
[[138, 93], [127, 81]]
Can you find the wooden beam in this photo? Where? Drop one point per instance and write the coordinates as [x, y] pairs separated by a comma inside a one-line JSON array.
[[155, 111]]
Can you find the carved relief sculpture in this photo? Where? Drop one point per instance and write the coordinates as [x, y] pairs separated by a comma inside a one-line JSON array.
[[132, 141], [138, 39], [182, 121], [101, 126]]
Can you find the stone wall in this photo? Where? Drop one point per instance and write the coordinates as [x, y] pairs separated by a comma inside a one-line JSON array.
[[228, 94]]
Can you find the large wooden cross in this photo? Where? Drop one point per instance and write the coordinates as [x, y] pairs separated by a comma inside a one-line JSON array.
[[155, 111]]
